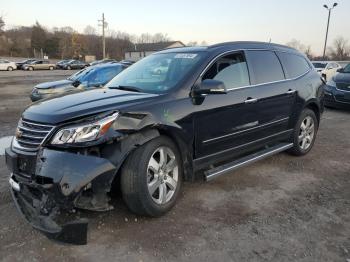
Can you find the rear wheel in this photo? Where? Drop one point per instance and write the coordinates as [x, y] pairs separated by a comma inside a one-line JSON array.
[[30, 68], [69, 68], [51, 67], [10, 68], [151, 177], [304, 133]]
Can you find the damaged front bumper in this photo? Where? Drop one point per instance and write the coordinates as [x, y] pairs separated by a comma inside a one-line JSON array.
[[49, 186]]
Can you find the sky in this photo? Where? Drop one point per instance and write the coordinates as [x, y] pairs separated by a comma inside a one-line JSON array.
[[196, 20]]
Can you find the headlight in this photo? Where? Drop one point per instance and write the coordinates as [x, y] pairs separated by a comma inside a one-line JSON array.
[[84, 133]]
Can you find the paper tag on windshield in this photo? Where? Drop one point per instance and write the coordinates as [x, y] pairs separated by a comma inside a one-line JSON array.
[[186, 56]]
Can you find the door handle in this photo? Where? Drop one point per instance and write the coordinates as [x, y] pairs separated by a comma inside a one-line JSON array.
[[291, 91], [250, 100]]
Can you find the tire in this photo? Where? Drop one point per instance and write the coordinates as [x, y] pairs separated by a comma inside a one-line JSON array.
[[139, 178], [10, 68], [31, 68], [304, 137], [51, 68]]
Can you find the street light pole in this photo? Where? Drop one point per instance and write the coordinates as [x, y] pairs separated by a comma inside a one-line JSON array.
[[329, 17], [104, 25]]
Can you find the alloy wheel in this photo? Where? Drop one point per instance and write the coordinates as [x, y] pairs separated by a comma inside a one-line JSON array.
[[306, 133], [162, 175]]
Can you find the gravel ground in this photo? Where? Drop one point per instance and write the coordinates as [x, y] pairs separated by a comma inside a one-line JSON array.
[[283, 208]]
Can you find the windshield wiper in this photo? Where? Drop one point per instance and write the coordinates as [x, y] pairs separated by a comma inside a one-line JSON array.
[[127, 88]]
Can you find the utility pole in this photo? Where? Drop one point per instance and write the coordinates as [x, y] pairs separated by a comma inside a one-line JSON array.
[[104, 25], [329, 17]]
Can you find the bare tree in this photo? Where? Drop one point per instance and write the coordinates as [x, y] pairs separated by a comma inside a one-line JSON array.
[[2, 24], [192, 43], [195, 43], [340, 49], [296, 44], [149, 38], [159, 37], [308, 52], [90, 30]]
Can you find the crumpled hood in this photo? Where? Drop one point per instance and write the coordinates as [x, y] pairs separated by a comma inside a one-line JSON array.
[[68, 107], [342, 78], [54, 84]]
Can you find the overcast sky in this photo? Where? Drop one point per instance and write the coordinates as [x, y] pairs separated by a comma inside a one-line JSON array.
[[196, 20]]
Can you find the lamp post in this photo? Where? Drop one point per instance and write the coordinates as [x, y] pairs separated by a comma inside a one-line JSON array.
[[329, 16]]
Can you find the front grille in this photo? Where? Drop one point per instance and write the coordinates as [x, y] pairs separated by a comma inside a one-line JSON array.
[[29, 135]]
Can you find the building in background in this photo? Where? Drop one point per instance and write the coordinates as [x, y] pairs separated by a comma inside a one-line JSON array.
[[142, 50]]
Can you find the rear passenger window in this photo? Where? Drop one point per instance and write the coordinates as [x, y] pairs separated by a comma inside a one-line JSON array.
[[294, 65], [231, 70], [265, 66]]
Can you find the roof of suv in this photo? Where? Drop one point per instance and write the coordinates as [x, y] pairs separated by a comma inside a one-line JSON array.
[[109, 65], [233, 46]]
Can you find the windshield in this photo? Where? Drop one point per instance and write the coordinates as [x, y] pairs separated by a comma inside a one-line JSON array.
[[96, 75], [80, 75], [347, 69], [157, 73], [319, 65]]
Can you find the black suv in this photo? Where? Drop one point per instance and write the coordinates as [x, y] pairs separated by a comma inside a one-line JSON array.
[[207, 112]]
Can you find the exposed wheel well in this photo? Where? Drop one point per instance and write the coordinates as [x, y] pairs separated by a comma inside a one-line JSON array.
[[313, 106]]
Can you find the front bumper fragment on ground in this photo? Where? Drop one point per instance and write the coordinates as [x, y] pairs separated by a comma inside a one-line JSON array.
[[48, 197]]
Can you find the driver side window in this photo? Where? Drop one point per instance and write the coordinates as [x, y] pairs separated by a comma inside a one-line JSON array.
[[232, 70]]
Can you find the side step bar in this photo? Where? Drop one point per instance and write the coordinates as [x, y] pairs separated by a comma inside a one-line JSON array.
[[229, 167]]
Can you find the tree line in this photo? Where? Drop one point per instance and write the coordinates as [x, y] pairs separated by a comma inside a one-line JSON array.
[[339, 50], [65, 42]]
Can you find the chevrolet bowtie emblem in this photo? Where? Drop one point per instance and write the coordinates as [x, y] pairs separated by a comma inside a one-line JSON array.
[[19, 133]]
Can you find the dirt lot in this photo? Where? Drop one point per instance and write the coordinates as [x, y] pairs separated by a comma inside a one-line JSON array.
[[281, 209]]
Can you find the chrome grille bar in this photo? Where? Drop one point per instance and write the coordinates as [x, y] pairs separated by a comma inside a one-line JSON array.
[[30, 135]]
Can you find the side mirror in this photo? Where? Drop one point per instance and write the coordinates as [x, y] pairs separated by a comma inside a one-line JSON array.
[[210, 86], [76, 83], [340, 70]]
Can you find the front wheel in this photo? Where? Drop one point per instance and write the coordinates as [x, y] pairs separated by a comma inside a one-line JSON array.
[[304, 133], [30, 68], [51, 67], [10, 68], [151, 177]]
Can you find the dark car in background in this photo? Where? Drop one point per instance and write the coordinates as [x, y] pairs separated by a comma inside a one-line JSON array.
[[88, 78], [73, 64], [214, 109], [59, 63], [337, 91], [27, 61]]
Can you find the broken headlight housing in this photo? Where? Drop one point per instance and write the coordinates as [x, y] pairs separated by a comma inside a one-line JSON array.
[[85, 132]]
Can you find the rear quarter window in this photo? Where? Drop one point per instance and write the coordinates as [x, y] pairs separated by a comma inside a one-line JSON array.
[[265, 66], [294, 65]]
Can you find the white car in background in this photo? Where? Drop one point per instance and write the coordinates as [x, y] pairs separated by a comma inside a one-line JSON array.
[[7, 65], [326, 69]]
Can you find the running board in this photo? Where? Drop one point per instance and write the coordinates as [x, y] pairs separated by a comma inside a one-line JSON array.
[[224, 169]]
